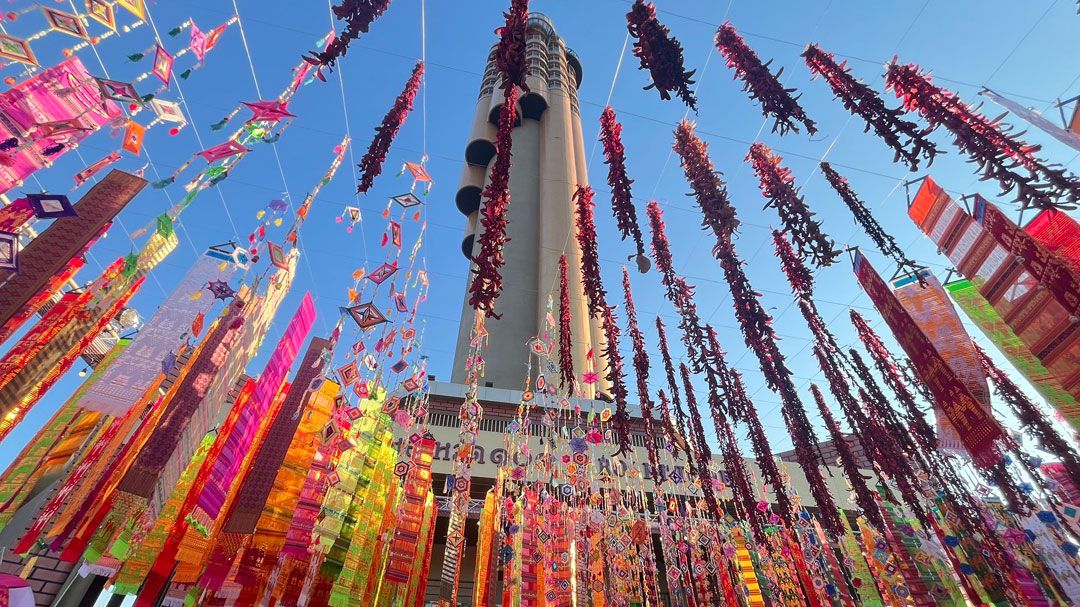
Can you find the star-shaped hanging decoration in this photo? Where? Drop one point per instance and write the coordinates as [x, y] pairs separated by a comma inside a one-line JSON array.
[[224, 150], [268, 111], [168, 363], [366, 315], [382, 273], [220, 289], [406, 200]]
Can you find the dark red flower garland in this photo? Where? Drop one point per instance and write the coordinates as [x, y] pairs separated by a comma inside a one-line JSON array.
[[372, 162], [486, 285], [882, 239], [986, 142], [777, 185], [905, 137], [669, 372], [622, 205], [755, 323], [671, 435], [703, 452], [566, 350], [598, 308], [762, 84], [864, 497], [359, 15], [660, 53], [510, 51], [1032, 418], [641, 373]]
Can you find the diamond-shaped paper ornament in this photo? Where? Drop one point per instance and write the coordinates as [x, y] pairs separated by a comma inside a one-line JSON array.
[[366, 315], [163, 64], [382, 273], [348, 374], [9, 251], [406, 200], [135, 7], [102, 12], [65, 22], [50, 206], [277, 256], [167, 111], [17, 49]]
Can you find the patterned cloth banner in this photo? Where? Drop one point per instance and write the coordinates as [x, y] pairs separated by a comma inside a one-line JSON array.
[[1033, 116], [1035, 314], [1059, 233], [163, 334], [975, 306], [928, 305], [15, 215], [977, 430]]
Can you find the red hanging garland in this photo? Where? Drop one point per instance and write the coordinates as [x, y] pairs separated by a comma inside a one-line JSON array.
[[621, 203], [905, 137], [669, 372], [598, 308], [703, 453], [778, 186], [755, 323], [486, 285], [1032, 418], [882, 239], [641, 373], [359, 15], [705, 180], [659, 53], [762, 84], [986, 142], [566, 352], [372, 162], [864, 497], [510, 51]]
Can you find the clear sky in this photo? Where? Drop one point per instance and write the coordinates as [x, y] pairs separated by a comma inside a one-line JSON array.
[[1026, 50]]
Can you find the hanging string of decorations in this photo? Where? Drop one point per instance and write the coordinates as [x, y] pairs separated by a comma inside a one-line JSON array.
[[371, 164], [762, 85], [358, 16], [566, 351], [660, 53], [621, 203], [986, 142], [907, 140]]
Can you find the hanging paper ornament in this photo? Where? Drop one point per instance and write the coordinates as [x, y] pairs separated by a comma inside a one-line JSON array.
[[17, 49], [986, 142], [366, 315], [220, 290], [907, 140], [9, 251], [353, 215], [50, 206], [406, 200], [419, 175], [778, 186], [371, 164], [359, 15], [762, 84], [660, 53]]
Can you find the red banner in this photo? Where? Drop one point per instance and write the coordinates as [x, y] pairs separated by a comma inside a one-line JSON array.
[[974, 425]]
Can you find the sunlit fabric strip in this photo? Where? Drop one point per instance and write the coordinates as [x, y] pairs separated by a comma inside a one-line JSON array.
[[146, 548], [162, 334], [751, 587], [256, 485], [227, 465], [862, 579], [62, 92], [484, 543], [65, 237], [403, 547], [928, 305], [975, 306], [374, 516], [1032, 116], [49, 292], [15, 215], [977, 430], [1058, 233], [1035, 314]]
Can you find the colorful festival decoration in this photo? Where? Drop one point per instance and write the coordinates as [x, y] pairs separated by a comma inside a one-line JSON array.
[[621, 203], [762, 85], [660, 53], [358, 15], [371, 163], [986, 142]]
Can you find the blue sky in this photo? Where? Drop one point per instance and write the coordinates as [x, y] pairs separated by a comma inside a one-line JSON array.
[[1024, 50]]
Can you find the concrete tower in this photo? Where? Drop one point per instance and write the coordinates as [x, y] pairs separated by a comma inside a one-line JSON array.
[[548, 162]]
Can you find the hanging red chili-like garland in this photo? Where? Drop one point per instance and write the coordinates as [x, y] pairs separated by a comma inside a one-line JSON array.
[[641, 374], [778, 186], [864, 497], [762, 85], [486, 285], [882, 239], [358, 15], [1049, 439], [703, 452], [987, 142], [669, 373], [566, 351], [907, 140], [372, 162], [660, 53], [596, 298], [622, 205], [755, 323]]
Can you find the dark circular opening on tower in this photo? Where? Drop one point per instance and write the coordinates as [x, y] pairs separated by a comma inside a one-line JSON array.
[[479, 152], [468, 199], [574, 64], [493, 117], [467, 246], [533, 106]]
